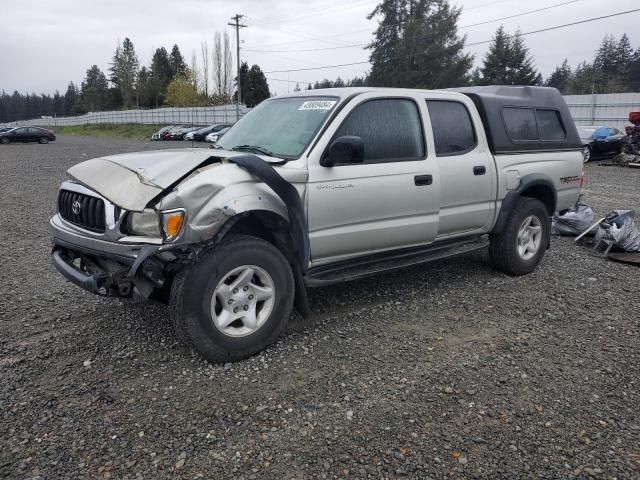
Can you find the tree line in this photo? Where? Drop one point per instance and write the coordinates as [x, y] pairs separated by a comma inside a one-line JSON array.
[[168, 80], [415, 45]]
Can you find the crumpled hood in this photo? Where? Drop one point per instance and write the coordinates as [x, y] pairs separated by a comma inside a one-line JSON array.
[[132, 180]]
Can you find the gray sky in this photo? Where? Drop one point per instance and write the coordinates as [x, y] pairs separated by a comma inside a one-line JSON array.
[[44, 44]]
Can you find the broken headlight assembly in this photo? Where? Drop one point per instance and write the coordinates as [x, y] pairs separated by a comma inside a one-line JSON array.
[[149, 223]]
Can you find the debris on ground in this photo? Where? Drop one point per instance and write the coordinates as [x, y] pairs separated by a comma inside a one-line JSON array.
[[618, 231], [574, 221], [630, 155]]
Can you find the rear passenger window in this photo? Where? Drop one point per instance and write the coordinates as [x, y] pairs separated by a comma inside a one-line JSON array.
[[550, 125], [452, 127], [390, 129], [520, 123]]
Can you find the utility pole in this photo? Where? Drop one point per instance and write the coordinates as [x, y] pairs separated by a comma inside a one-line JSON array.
[[237, 25]]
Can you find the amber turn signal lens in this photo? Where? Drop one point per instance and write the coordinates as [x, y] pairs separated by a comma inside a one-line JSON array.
[[171, 224]]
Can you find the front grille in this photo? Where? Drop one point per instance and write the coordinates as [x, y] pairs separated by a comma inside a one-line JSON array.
[[87, 213]]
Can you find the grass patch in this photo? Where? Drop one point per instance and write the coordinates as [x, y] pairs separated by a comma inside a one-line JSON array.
[[127, 130]]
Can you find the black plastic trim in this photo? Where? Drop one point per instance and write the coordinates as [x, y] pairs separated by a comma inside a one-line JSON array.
[[289, 195], [528, 181]]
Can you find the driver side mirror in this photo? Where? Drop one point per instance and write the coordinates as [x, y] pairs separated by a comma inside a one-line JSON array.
[[344, 150]]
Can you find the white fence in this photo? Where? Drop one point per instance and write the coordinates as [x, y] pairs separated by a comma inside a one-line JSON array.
[[158, 116], [611, 109], [599, 109]]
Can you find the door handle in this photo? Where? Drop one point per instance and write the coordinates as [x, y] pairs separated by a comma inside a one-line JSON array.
[[479, 170], [421, 180]]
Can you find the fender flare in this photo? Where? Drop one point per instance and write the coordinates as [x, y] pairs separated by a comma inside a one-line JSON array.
[[262, 170], [526, 182]]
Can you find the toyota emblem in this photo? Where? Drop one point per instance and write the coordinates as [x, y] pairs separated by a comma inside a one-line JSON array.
[[76, 207]]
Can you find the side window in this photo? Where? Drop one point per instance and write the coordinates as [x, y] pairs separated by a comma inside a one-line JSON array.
[[21, 131], [520, 123], [452, 127], [613, 132], [550, 125], [390, 128], [34, 130]]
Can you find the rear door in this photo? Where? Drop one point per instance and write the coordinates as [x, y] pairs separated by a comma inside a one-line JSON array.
[[35, 134], [391, 200], [467, 170]]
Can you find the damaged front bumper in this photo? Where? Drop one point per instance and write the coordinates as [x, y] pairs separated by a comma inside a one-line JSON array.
[[108, 268]]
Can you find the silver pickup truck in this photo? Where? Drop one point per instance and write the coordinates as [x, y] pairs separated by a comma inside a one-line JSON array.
[[315, 188]]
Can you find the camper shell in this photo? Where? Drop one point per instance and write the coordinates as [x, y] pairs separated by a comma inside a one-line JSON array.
[[524, 119]]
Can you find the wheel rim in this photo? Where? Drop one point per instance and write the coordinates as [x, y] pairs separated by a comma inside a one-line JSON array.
[[529, 237], [586, 154], [242, 301]]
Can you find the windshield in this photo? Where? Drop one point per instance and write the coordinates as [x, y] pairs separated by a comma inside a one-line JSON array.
[[285, 127]]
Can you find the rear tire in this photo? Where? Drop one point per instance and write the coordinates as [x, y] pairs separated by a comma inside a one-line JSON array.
[[519, 248], [43, 140], [234, 301], [586, 154]]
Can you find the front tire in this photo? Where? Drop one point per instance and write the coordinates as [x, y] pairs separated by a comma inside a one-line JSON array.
[[4, 141], [43, 140], [519, 248], [234, 301], [586, 154]]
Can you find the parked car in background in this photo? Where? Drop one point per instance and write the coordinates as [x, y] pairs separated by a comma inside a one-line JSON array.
[[178, 133], [200, 135], [599, 141], [27, 134], [215, 136], [158, 135]]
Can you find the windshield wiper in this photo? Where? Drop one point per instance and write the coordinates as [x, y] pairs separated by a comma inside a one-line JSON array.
[[254, 148]]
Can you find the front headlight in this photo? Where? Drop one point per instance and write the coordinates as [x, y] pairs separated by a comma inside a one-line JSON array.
[[145, 223]]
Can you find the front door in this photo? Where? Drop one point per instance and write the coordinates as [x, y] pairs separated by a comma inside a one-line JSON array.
[[467, 169], [388, 202]]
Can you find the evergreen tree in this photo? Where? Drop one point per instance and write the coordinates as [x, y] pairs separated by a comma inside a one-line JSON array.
[[161, 75], [523, 70], [244, 80], [58, 104], [257, 87], [561, 78], [124, 69], [144, 89], [94, 89], [177, 63], [507, 62], [417, 45], [70, 99]]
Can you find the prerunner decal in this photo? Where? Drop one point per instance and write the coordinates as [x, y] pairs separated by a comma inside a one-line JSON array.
[[318, 105]]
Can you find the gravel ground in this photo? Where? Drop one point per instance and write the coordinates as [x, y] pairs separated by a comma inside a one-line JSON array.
[[443, 370]]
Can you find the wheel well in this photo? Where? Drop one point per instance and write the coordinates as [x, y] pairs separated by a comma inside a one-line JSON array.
[[544, 194], [266, 225]]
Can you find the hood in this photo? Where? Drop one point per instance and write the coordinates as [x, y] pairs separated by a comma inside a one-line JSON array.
[[132, 180]]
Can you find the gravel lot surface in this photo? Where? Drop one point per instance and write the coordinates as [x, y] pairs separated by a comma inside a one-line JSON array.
[[445, 370]]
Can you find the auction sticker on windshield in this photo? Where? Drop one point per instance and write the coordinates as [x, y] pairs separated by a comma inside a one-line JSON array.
[[318, 105]]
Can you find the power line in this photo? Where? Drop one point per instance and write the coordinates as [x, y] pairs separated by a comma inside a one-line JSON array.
[[549, 7], [565, 25], [519, 14]]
